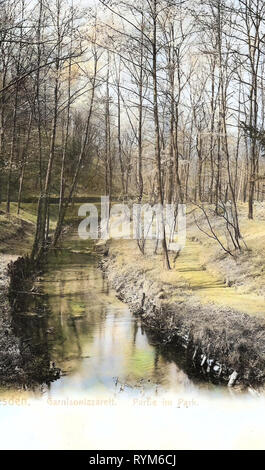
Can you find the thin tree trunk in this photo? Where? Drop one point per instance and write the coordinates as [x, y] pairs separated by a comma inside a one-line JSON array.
[[24, 162], [60, 222], [157, 133]]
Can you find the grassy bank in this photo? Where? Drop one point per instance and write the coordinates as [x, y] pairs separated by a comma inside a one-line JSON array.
[[212, 302], [19, 365], [17, 231], [204, 269], [243, 275]]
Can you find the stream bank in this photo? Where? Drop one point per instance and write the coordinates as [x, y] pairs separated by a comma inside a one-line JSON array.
[[220, 343], [11, 369], [21, 365]]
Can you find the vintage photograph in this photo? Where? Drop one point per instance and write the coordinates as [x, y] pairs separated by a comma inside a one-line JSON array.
[[132, 227]]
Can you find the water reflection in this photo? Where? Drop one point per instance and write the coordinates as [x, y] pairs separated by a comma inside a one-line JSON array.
[[79, 325], [119, 388]]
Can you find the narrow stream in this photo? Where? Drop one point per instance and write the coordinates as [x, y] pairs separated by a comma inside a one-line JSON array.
[[117, 385], [93, 337]]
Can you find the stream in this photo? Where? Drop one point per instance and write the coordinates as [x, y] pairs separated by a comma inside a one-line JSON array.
[[118, 385], [100, 347]]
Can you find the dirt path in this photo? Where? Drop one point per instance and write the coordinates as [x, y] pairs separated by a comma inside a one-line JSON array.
[[211, 288]]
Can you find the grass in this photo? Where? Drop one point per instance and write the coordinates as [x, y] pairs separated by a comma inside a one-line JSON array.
[[204, 270], [17, 231]]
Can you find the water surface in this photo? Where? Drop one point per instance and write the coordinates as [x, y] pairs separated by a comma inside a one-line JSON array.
[[92, 336], [119, 388]]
